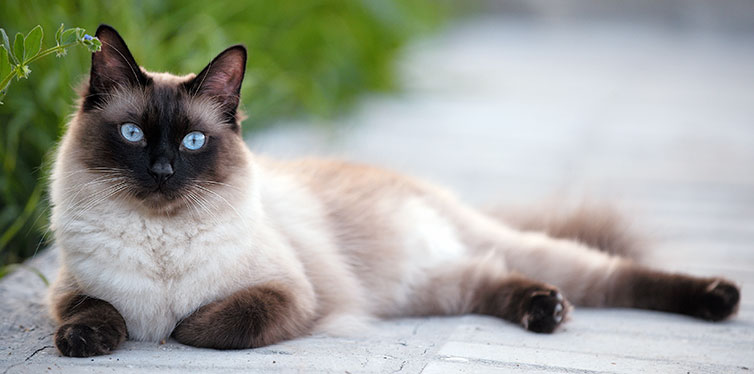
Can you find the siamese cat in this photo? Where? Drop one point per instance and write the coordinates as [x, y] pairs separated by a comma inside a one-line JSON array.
[[168, 225]]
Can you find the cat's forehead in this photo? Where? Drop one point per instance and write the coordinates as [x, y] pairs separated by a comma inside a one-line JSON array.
[[165, 95]]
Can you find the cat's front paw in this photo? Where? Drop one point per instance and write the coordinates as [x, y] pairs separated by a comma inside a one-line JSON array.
[[546, 310], [80, 340], [718, 301]]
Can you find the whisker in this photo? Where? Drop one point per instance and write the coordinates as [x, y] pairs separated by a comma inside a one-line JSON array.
[[191, 204], [80, 189], [224, 200], [200, 181], [208, 207], [93, 202]]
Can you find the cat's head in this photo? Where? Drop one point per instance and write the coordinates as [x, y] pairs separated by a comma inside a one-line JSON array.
[[162, 139]]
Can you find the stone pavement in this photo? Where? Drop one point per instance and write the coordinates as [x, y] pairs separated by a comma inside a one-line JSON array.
[[657, 120]]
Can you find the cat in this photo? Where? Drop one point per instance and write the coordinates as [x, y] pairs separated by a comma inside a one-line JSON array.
[[168, 225]]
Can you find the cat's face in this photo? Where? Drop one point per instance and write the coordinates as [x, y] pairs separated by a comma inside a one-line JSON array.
[[164, 140]]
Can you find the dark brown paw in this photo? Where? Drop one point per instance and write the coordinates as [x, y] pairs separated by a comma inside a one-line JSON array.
[[545, 312], [79, 340], [718, 301]]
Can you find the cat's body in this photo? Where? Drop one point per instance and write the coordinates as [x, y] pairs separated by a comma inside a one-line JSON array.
[[373, 251], [242, 251]]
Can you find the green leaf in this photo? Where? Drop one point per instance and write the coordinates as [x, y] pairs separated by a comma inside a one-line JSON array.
[[33, 42], [18, 48], [4, 40], [93, 44], [72, 35], [5, 70], [5, 67], [58, 34]]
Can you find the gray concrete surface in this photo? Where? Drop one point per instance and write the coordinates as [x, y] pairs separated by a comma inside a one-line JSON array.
[[656, 120]]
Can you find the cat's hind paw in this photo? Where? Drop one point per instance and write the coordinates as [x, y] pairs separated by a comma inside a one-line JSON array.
[[546, 310], [718, 301]]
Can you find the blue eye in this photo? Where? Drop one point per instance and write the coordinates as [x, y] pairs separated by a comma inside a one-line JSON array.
[[131, 132], [194, 140]]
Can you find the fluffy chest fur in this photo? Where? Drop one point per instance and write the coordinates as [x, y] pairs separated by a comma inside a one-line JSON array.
[[157, 270]]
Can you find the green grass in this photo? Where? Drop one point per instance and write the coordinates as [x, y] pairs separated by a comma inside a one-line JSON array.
[[306, 58]]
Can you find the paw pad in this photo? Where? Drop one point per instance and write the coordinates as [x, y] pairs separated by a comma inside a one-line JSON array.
[[78, 340], [546, 311], [719, 301]]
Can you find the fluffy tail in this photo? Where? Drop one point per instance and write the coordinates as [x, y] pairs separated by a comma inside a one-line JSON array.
[[599, 226]]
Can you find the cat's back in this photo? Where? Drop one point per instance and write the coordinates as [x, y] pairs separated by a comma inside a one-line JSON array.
[[357, 202], [338, 181]]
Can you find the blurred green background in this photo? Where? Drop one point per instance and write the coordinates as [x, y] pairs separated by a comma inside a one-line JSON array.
[[306, 58]]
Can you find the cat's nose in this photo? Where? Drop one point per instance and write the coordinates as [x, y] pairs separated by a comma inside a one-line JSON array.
[[161, 170]]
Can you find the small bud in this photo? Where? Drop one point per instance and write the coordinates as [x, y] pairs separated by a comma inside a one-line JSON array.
[[92, 44], [88, 37], [22, 71]]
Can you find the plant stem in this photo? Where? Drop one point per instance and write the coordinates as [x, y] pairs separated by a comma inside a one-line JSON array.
[[6, 80], [50, 51]]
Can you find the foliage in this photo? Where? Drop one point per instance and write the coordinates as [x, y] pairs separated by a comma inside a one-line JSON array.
[[15, 59], [306, 57]]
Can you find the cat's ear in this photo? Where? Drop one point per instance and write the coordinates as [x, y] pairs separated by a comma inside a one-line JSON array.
[[221, 80], [113, 66]]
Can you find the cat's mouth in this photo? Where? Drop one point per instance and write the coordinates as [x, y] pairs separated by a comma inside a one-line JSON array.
[[160, 189], [160, 199]]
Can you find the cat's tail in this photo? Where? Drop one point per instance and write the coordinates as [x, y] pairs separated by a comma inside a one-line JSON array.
[[597, 225]]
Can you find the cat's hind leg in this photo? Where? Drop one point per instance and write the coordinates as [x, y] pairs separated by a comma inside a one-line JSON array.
[[482, 285], [592, 278]]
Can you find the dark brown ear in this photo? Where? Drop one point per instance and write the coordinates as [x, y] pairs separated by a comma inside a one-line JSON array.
[[221, 80], [112, 67]]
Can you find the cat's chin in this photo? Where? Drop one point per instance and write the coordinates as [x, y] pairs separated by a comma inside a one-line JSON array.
[[162, 204]]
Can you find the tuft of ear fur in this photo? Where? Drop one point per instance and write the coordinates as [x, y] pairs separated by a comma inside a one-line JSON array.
[[113, 67], [599, 226], [221, 80]]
